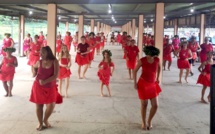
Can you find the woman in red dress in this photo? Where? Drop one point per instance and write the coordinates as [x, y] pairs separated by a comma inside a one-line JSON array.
[[119, 38], [41, 38], [193, 46], [7, 70], [206, 47], [144, 39], [167, 50], [148, 40], [98, 44], [75, 41], [7, 42], [82, 57], [106, 69], [92, 44], [126, 45], [183, 54], [176, 42], [26, 44], [68, 40], [102, 41], [204, 77], [59, 44], [124, 39], [34, 52], [132, 56], [65, 64], [148, 84], [44, 89]]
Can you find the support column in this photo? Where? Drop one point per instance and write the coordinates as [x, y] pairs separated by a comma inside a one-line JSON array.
[[140, 36], [52, 23], [176, 27], [67, 26], [92, 25], [102, 27], [153, 28], [159, 31], [98, 27], [21, 34], [80, 27], [202, 29], [133, 28]]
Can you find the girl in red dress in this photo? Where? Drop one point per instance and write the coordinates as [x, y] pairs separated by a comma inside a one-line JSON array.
[[68, 40], [119, 38], [34, 52], [82, 57], [7, 70], [132, 56], [126, 45], [7, 42], [167, 50], [193, 46], [148, 40], [59, 44], [148, 84], [75, 41], [183, 54], [98, 44], [176, 42], [26, 44], [144, 39], [102, 41], [92, 44], [106, 69], [206, 47], [44, 89], [204, 77], [112, 38], [65, 64], [124, 39]]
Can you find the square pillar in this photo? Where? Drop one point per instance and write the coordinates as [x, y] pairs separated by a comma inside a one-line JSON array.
[[133, 28], [176, 27], [21, 34], [102, 27], [92, 25], [80, 27], [153, 28], [67, 26], [159, 31], [202, 29], [140, 36], [98, 27], [52, 23]]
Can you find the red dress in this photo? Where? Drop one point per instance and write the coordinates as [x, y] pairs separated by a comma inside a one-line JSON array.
[[45, 43], [119, 38], [148, 41], [59, 44], [132, 57], [7, 72], [102, 42], [105, 73], [67, 41], [26, 44], [124, 41], [75, 41], [82, 59], [48, 93], [175, 43], [64, 72], [98, 39], [34, 56], [41, 38], [205, 49], [144, 40], [182, 62], [205, 79], [193, 47], [125, 51], [167, 50], [91, 42], [148, 88], [6, 43]]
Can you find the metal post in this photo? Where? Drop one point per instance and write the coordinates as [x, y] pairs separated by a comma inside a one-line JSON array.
[[212, 105]]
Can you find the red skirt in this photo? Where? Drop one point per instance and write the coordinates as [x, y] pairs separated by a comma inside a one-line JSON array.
[[82, 60], [194, 55], [98, 46], [147, 90], [204, 80], [124, 56], [203, 57], [58, 48], [75, 44], [64, 73], [91, 55], [102, 44], [131, 64], [167, 57], [33, 59], [42, 95], [6, 75], [183, 64], [104, 76]]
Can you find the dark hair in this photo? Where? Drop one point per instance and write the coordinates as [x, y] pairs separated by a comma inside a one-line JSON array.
[[29, 34], [9, 49], [50, 55], [7, 34], [36, 36], [151, 51], [92, 33], [83, 37], [176, 36]]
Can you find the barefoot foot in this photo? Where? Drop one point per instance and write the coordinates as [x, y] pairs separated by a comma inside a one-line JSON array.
[[47, 125], [209, 98], [40, 127], [149, 127], [203, 101], [143, 127]]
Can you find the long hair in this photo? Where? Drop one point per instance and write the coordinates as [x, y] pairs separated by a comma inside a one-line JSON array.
[[50, 55], [62, 53], [109, 56]]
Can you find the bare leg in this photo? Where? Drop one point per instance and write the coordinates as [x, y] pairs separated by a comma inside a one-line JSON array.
[[154, 103], [39, 111], [129, 72], [164, 65], [101, 88], [209, 97], [144, 104], [180, 75], [79, 72], [67, 86], [85, 70], [60, 86], [203, 94], [169, 64], [6, 88], [32, 71], [10, 87], [187, 73], [108, 88], [48, 112]]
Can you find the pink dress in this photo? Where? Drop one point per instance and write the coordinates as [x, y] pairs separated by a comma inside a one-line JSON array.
[[34, 53], [7, 72], [105, 73], [26, 44], [6, 43], [175, 43]]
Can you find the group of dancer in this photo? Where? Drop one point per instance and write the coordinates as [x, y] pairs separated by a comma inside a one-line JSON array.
[[47, 68]]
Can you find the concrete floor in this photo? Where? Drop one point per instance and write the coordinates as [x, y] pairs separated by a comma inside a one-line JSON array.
[[85, 112]]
